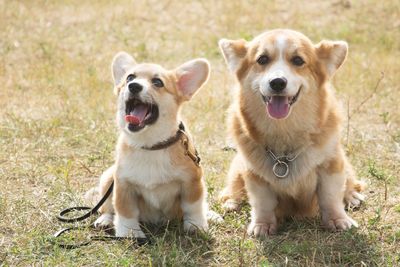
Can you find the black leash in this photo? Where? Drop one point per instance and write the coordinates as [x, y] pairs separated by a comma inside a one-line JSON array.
[[61, 217], [91, 211], [138, 241]]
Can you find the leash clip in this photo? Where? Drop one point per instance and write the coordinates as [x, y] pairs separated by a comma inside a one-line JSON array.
[[193, 156]]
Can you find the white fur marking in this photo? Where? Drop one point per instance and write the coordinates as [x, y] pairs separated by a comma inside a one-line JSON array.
[[125, 227], [281, 45]]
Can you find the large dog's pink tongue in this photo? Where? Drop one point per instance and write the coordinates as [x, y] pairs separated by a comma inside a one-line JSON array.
[[137, 115], [278, 107]]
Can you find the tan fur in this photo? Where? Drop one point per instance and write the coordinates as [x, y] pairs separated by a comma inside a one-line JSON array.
[[192, 188], [159, 185], [313, 127]]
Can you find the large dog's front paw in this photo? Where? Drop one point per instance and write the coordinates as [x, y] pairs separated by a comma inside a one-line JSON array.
[[104, 221], [262, 229], [195, 225], [231, 205], [340, 223]]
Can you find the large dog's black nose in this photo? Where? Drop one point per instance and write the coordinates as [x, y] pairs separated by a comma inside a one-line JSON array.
[[135, 88], [278, 84]]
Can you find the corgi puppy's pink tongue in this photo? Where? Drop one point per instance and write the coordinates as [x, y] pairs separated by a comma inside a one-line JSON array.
[[138, 114], [278, 107]]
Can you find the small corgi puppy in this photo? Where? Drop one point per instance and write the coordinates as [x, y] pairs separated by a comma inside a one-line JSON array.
[[157, 176], [286, 122]]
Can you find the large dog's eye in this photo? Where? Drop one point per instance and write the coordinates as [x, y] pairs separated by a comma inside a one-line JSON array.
[[157, 82], [263, 60], [298, 61], [130, 77]]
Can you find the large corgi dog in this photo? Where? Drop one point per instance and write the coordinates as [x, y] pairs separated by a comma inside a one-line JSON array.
[[285, 122], [156, 174]]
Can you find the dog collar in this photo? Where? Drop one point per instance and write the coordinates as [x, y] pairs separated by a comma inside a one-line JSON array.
[[180, 135], [281, 167]]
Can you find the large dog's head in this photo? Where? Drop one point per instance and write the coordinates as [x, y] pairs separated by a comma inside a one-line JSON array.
[[283, 67], [149, 96]]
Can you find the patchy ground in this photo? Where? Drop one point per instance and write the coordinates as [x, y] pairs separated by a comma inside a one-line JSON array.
[[57, 130]]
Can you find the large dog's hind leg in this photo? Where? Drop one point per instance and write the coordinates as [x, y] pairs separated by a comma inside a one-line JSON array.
[[352, 195]]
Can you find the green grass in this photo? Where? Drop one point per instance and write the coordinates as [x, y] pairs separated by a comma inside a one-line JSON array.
[[57, 129]]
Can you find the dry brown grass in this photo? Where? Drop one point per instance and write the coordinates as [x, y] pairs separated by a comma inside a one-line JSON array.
[[57, 129]]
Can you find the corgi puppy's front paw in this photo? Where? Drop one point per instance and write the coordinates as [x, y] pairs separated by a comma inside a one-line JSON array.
[[262, 230], [104, 221], [125, 227], [214, 217], [193, 226]]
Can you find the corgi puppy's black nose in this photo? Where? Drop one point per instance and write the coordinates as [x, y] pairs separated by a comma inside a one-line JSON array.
[[135, 88], [278, 84]]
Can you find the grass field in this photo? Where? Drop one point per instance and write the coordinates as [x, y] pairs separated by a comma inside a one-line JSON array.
[[57, 129]]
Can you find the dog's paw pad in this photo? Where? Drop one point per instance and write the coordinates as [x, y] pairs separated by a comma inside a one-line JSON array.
[[262, 229]]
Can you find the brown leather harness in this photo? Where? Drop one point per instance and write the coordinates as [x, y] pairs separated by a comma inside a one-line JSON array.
[[184, 138]]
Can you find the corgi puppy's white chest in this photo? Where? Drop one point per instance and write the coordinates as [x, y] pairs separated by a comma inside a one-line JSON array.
[[149, 169]]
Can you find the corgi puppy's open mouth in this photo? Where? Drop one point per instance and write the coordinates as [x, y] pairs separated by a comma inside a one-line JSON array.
[[139, 114], [278, 106]]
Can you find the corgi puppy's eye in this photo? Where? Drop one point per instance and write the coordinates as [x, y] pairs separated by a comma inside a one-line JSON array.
[[263, 60], [298, 61], [130, 77], [157, 82]]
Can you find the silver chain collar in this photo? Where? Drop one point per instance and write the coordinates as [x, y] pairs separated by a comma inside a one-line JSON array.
[[281, 166]]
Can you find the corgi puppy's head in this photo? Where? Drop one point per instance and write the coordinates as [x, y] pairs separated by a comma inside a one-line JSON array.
[[149, 96], [283, 67]]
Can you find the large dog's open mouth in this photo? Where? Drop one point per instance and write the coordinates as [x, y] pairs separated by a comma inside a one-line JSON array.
[[278, 106], [138, 114]]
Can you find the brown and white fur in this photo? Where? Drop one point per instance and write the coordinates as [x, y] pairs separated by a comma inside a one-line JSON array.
[[309, 126], [153, 186]]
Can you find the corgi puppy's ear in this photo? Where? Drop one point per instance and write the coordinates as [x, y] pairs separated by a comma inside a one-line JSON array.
[[332, 54], [120, 65], [233, 51], [191, 76]]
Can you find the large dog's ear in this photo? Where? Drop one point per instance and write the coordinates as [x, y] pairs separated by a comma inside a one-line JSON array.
[[120, 65], [332, 54], [191, 76], [233, 51]]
